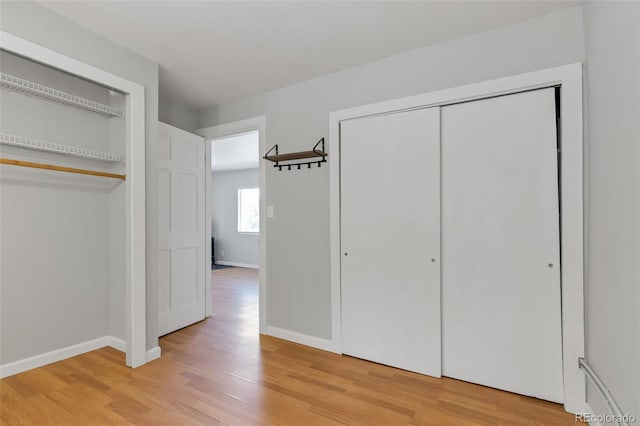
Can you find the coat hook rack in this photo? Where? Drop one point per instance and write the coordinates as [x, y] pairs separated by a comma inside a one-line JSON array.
[[314, 153]]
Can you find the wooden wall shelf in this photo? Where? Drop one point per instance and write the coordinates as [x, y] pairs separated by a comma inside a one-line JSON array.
[[295, 156], [301, 155]]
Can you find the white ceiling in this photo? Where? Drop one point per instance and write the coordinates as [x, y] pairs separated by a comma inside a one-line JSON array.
[[214, 52], [236, 152]]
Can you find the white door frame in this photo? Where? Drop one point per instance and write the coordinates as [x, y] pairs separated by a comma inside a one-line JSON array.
[[569, 79], [134, 185], [230, 129]]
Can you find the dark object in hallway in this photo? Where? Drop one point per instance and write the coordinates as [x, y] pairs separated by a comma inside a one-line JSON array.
[[215, 267]]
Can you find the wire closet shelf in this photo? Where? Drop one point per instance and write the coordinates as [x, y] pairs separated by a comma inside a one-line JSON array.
[[74, 151], [38, 90]]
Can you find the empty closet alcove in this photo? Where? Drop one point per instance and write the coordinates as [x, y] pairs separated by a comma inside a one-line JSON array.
[[65, 215]]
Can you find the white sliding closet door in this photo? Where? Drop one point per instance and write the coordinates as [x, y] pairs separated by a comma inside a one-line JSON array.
[[500, 244], [181, 222], [390, 232]]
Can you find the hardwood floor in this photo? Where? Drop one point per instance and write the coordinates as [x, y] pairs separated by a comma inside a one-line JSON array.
[[220, 371]]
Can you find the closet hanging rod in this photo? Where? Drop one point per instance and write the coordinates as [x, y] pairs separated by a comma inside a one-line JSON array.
[[38, 90], [74, 151], [61, 168]]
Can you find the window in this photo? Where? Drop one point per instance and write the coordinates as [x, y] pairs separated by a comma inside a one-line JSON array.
[[248, 210]]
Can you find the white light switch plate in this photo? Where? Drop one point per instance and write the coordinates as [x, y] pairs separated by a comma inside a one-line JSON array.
[[270, 211]]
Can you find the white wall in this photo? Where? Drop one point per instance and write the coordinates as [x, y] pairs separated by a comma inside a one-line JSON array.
[[612, 33], [237, 247], [297, 116], [35, 23], [178, 115]]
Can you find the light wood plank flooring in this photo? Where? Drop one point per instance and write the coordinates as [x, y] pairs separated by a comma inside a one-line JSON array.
[[220, 371]]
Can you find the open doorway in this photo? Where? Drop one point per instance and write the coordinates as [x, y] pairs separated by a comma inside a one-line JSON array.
[[235, 200], [236, 220]]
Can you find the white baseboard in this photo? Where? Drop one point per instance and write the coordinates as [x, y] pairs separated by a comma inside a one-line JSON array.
[[153, 353], [36, 361], [303, 339], [121, 345], [116, 343], [589, 410], [239, 265], [16, 367]]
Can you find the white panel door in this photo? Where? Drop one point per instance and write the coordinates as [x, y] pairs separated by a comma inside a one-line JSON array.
[[390, 239], [500, 244], [181, 222]]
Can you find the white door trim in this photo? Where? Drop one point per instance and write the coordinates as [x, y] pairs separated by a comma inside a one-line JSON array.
[[228, 129], [135, 182], [569, 78]]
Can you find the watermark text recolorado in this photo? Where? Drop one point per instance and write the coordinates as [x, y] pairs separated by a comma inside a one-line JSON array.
[[606, 419]]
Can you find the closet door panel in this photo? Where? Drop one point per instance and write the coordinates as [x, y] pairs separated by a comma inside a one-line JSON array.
[[189, 202], [181, 229], [164, 280], [189, 276], [500, 244], [390, 233], [164, 205]]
